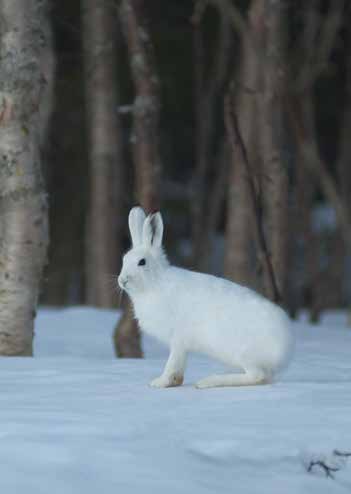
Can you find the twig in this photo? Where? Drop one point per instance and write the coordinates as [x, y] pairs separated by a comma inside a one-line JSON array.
[[237, 144], [327, 468], [342, 454]]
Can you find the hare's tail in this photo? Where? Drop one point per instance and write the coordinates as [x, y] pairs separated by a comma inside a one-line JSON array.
[[251, 377]]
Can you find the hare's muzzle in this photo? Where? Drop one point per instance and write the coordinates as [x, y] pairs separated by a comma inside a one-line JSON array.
[[122, 281]]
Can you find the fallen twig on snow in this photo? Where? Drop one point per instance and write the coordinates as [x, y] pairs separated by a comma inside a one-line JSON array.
[[332, 466]]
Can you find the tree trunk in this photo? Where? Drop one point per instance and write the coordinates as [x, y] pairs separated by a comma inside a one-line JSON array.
[[344, 158], [307, 145], [23, 203], [238, 147], [126, 337], [145, 142], [275, 175], [206, 94], [216, 199], [305, 190], [239, 211], [313, 52], [344, 148], [145, 137], [103, 239]]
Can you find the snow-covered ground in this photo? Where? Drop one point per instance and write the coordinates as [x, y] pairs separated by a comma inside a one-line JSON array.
[[76, 420]]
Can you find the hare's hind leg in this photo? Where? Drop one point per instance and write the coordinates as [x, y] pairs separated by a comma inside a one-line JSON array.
[[251, 377]]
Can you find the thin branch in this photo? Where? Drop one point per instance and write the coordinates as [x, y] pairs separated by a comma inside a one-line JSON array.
[[342, 457], [238, 145], [342, 454], [317, 56], [327, 468]]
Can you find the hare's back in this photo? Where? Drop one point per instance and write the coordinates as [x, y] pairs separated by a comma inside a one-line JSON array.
[[208, 299], [228, 321]]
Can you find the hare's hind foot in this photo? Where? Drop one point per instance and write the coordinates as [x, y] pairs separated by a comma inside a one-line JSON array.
[[170, 381], [251, 377]]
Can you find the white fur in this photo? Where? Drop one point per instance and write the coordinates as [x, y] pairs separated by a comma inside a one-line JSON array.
[[136, 221], [195, 312]]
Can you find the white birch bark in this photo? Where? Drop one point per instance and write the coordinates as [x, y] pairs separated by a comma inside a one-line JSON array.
[[23, 203]]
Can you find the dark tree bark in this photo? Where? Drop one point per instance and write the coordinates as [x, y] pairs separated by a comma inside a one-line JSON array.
[[344, 148], [313, 55], [239, 149], [126, 337], [103, 239], [239, 207], [272, 126], [144, 141], [145, 135], [306, 141], [216, 201], [344, 159], [24, 91], [207, 90]]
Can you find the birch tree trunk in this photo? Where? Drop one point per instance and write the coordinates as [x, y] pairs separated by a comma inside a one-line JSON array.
[[239, 211], [272, 124], [23, 203], [103, 245], [144, 141]]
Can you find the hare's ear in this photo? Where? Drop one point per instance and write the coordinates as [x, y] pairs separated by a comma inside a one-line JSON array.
[[153, 230], [135, 220]]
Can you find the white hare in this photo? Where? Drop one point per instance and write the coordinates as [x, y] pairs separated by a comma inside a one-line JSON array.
[[195, 312]]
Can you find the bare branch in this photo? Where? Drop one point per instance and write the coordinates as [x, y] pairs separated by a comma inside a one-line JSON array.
[[317, 56], [337, 459], [342, 454], [326, 468]]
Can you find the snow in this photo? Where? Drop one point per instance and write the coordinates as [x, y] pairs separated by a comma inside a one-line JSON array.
[[76, 420]]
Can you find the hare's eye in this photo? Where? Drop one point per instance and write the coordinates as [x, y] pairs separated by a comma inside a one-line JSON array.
[[142, 262]]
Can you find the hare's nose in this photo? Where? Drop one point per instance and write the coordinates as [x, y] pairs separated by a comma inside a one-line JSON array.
[[122, 281]]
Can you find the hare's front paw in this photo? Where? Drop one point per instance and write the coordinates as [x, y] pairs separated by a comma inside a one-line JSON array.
[[167, 381]]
